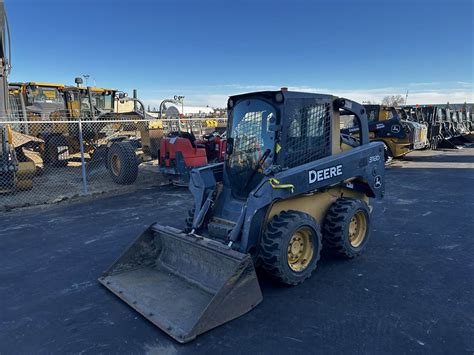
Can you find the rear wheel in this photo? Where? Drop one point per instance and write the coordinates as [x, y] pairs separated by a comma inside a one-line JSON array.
[[290, 247], [122, 163], [347, 227]]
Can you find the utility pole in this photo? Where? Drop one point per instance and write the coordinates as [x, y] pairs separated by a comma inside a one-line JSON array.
[[86, 76], [180, 99], [406, 98], [5, 57]]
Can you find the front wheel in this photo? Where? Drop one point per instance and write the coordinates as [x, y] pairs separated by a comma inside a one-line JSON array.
[[291, 247]]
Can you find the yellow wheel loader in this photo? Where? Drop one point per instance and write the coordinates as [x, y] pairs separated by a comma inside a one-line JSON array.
[[289, 186], [98, 108], [16, 169]]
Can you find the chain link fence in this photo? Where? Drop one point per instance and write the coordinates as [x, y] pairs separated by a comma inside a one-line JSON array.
[[44, 162]]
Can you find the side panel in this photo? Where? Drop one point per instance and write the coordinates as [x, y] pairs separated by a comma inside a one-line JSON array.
[[364, 163], [315, 204]]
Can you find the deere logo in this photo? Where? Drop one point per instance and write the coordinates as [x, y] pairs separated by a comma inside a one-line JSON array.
[[324, 174]]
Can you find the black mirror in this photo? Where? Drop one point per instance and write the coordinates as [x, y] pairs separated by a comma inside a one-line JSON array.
[[229, 148]]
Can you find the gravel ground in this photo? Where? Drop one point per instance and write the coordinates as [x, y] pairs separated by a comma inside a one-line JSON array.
[[53, 185]]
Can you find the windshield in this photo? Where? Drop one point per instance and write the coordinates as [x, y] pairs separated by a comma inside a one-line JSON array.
[[44, 94], [100, 100], [251, 139]]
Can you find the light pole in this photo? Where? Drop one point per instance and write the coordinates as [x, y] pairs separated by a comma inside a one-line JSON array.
[[86, 76], [180, 99]]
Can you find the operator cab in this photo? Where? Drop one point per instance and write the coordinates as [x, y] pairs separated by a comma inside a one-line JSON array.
[[270, 132]]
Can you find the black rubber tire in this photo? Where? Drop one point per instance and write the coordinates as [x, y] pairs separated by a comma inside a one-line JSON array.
[[388, 156], [7, 180], [189, 221], [274, 246], [127, 172], [51, 151], [100, 155], [336, 227]]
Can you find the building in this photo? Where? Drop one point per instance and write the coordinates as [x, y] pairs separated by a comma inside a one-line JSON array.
[[189, 111]]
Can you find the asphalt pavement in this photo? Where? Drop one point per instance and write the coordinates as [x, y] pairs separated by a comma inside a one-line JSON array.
[[411, 292]]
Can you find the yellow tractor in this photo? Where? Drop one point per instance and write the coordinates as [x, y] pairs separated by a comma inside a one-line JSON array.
[[119, 140]]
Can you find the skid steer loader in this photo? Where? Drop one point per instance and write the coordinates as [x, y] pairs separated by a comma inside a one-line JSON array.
[[398, 135], [288, 186]]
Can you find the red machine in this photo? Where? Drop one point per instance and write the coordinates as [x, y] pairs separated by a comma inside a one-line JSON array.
[[214, 144], [180, 152]]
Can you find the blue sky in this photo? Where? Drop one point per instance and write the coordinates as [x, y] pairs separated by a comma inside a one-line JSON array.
[[207, 50]]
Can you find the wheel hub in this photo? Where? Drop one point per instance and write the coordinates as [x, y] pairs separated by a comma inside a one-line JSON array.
[[115, 165], [357, 229], [300, 249]]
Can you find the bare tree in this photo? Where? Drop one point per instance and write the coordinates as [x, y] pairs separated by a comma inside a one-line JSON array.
[[393, 100]]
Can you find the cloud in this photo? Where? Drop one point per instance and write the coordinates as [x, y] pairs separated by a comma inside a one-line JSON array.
[[418, 93], [465, 84], [424, 84]]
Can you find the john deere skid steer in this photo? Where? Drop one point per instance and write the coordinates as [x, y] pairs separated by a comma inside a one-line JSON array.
[[289, 186], [398, 135]]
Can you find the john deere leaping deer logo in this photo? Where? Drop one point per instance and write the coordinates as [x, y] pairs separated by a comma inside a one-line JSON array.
[[377, 182], [395, 128]]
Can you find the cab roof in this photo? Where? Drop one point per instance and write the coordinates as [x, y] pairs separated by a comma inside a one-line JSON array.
[[42, 84], [93, 89], [286, 94]]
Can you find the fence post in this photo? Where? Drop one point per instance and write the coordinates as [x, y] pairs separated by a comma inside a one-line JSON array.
[[83, 164]]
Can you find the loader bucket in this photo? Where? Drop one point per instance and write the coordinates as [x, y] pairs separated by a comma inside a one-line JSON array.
[[184, 284]]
